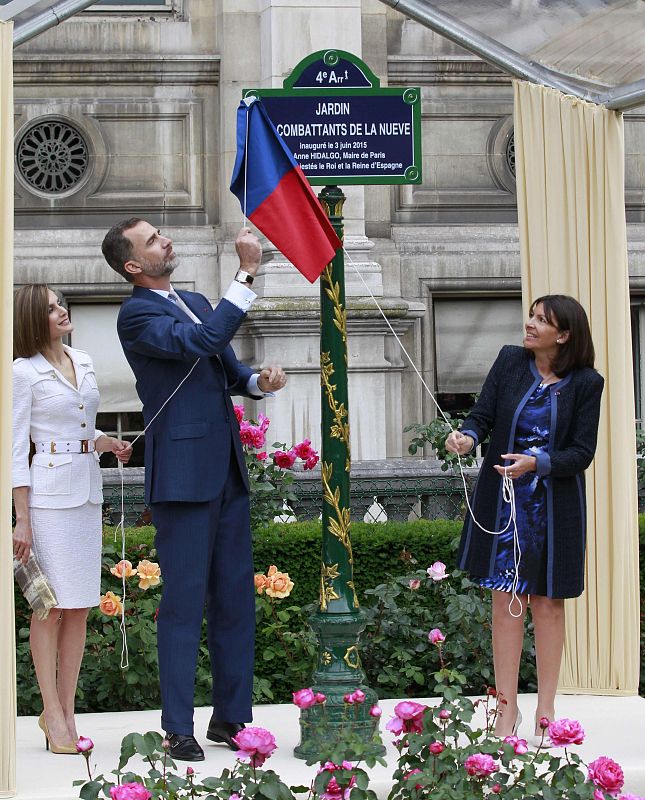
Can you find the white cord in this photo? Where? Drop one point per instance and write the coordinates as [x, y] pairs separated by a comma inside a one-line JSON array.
[[121, 524], [508, 490]]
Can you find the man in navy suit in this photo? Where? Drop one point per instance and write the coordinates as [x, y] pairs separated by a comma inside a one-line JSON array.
[[195, 475]]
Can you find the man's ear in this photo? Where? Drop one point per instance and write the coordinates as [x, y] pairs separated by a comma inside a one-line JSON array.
[[132, 267]]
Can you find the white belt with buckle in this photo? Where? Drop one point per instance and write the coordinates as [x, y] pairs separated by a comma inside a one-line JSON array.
[[78, 446]]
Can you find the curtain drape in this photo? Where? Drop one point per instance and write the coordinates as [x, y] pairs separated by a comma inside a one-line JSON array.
[[571, 208], [7, 643]]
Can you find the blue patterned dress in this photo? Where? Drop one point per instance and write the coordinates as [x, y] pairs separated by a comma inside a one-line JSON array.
[[531, 437]]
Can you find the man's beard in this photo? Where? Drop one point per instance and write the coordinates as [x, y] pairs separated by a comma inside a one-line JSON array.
[[159, 269]]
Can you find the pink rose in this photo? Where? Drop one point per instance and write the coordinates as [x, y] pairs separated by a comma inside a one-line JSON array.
[[437, 571], [190, 771], [263, 423], [320, 697], [519, 745], [261, 456], [130, 791], [564, 732], [246, 435], [598, 794], [359, 696], [436, 748], [84, 745], [607, 775], [304, 449], [311, 462], [444, 714], [284, 460], [304, 698], [410, 774], [630, 797], [257, 438], [496, 788], [333, 790], [376, 711], [395, 726], [239, 413], [480, 765], [544, 722], [411, 716], [256, 744], [234, 796], [436, 637], [408, 709], [414, 584]]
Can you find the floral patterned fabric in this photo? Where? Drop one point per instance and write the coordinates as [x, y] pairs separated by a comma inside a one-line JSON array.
[[531, 436]]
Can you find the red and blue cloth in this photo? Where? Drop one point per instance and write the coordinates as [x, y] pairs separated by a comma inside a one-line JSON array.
[[276, 196]]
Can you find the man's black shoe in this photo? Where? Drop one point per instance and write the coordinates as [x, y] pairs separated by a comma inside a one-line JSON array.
[[224, 732], [184, 748]]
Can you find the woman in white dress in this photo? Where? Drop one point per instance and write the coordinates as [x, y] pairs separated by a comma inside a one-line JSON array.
[[58, 494]]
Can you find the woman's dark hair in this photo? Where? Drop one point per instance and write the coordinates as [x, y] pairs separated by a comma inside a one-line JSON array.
[[566, 314], [30, 320]]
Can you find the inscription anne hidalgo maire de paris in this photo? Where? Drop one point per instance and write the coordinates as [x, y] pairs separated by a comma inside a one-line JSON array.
[[354, 150]]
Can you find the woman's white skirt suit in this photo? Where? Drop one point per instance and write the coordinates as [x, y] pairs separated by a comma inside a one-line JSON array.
[[65, 487]]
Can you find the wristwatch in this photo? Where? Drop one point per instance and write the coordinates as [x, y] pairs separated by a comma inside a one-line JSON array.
[[244, 277]]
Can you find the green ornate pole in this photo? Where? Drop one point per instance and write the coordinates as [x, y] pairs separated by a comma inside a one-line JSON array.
[[339, 620]]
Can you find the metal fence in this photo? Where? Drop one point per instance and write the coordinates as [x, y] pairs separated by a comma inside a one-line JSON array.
[[396, 489]]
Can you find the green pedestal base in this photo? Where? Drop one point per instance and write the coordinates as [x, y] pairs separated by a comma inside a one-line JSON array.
[[338, 672]]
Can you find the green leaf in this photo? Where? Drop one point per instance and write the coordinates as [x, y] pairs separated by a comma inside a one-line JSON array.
[[90, 790]]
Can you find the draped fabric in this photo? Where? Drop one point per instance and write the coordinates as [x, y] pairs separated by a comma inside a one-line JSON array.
[[571, 208], [7, 643]]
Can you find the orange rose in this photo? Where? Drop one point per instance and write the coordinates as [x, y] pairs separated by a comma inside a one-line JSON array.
[[123, 567], [149, 574], [279, 585], [111, 605], [260, 582], [272, 570]]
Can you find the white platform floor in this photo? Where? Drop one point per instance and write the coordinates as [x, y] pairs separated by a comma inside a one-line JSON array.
[[614, 726]]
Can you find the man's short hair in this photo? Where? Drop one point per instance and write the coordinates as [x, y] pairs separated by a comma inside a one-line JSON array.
[[117, 248]]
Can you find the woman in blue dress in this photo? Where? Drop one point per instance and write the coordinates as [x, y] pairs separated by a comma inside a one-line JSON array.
[[540, 404]]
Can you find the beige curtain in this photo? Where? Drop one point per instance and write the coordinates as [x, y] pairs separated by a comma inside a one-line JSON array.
[[571, 208], [7, 643]]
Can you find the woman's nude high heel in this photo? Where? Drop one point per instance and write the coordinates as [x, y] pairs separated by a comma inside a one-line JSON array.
[[59, 749]]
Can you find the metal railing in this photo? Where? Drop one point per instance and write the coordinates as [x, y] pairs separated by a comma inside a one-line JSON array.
[[396, 489]]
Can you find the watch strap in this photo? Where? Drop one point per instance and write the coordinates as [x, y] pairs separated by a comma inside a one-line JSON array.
[[244, 277]]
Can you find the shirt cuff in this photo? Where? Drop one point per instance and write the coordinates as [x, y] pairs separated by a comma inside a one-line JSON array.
[[542, 463], [240, 295], [473, 436], [254, 390]]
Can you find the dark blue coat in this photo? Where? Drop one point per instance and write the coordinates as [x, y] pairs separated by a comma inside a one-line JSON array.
[[189, 446], [575, 410]]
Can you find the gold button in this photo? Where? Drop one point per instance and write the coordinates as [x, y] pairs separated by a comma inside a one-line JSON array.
[[80, 405], [83, 425], [50, 464]]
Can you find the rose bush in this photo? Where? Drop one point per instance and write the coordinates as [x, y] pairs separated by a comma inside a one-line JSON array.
[[270, 479]]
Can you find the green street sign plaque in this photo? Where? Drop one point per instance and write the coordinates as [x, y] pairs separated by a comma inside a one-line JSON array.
[[341, 127]]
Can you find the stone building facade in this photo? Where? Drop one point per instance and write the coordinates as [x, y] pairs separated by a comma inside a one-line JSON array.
[[134, 103]]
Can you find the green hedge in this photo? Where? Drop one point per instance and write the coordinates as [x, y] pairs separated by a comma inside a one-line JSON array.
[[380, 550]]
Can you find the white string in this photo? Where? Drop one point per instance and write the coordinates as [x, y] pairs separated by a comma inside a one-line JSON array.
[[121, 525], [508, 490]]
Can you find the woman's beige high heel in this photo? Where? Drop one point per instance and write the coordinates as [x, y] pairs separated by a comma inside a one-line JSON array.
[[518, 722], [59, 749]]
